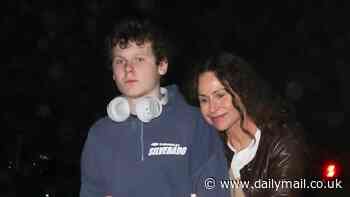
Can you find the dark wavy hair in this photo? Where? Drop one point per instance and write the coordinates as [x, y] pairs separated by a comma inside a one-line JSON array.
[[139, 30], [267, 109]]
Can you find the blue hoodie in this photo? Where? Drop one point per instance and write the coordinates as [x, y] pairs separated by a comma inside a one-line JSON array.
[[174, 155]]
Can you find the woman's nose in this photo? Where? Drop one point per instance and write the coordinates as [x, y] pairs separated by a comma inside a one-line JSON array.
[[212, 106]]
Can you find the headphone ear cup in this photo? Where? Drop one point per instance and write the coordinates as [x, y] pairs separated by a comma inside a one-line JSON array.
[[148, 108], [118, 109], [164, 98]]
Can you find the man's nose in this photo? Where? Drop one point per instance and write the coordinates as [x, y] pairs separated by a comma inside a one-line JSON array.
[[129, 67]]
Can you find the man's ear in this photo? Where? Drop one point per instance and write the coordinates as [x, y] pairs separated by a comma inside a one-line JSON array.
[[163, 66]]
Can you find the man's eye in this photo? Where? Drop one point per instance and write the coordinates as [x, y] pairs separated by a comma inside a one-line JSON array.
[[119, 61], [140, 59]]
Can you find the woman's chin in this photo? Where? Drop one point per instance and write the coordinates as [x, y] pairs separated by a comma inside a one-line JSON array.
[[220, 127]]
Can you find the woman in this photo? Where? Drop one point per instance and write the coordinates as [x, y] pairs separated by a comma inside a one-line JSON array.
[[264, 146]]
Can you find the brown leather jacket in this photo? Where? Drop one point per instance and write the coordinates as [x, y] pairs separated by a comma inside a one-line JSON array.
[[280, 156]]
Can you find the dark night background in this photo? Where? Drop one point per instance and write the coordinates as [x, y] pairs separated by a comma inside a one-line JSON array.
[[55, 82]]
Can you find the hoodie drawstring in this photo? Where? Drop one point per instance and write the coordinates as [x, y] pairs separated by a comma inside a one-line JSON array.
[[142, 143]]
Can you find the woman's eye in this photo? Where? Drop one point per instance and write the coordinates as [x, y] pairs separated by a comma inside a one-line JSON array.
[[202, 100], [220, 95]]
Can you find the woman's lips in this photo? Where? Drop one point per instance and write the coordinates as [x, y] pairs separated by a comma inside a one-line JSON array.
[[217, 119]]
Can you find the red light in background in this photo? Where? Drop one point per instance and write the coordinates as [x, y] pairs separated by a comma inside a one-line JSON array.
[[330, 170]]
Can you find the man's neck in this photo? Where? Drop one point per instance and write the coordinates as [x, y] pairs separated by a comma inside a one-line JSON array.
[[133, 101]]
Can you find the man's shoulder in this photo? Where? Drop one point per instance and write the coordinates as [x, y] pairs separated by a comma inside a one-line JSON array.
[[188, 114], [178, 102], [101, 124], [189, 109]]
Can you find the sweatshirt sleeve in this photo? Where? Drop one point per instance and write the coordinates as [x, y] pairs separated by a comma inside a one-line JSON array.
[[92, 183], [208, 162]]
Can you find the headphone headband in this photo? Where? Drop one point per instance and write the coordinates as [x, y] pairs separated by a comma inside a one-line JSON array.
[[146, 108]]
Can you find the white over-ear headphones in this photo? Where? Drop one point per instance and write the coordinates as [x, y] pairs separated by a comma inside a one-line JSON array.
[[146, 108]]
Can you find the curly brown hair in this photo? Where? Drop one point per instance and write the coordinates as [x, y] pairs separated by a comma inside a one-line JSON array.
[[139, 29]]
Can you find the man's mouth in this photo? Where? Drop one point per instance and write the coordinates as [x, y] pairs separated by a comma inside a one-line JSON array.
[[130, 81]]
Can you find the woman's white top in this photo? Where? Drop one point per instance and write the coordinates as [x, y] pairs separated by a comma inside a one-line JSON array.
[[243, 157]]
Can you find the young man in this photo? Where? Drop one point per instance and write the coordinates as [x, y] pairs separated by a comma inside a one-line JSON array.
[[152, 143]]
